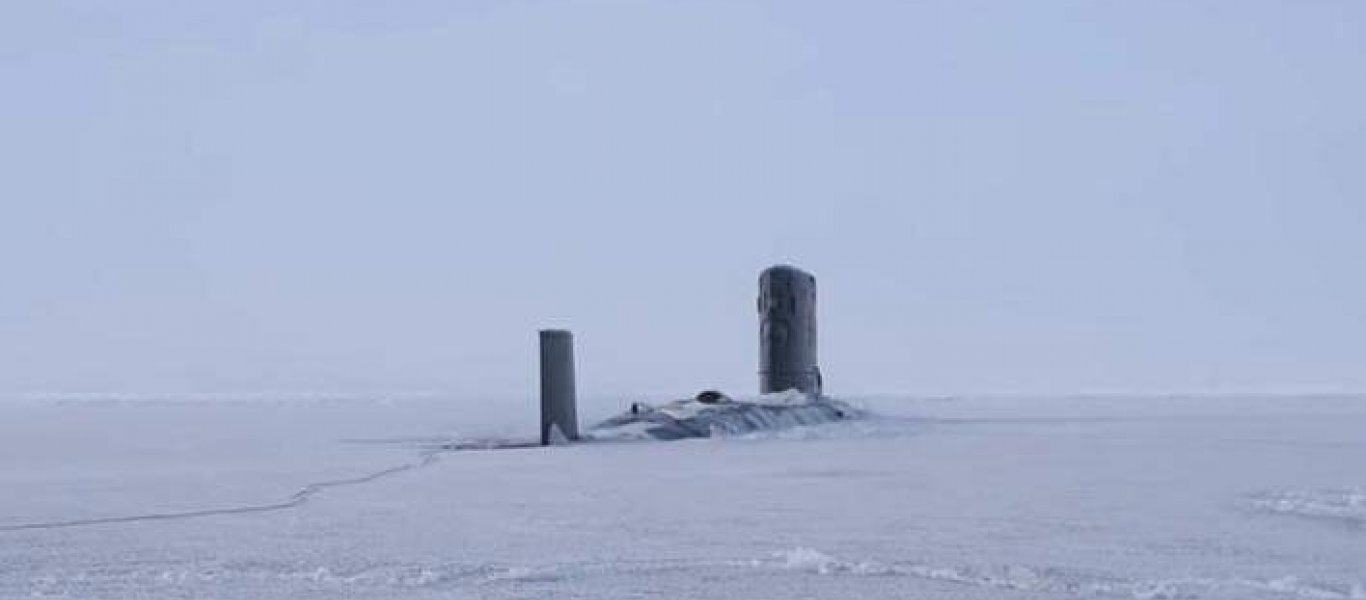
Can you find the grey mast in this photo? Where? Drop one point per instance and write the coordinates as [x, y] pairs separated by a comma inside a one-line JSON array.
[[559, 421], [787, 331]]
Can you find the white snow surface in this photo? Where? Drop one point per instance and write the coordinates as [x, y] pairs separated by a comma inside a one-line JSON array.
[[315, 497]]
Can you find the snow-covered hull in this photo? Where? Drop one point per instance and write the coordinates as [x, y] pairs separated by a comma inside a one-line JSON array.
[[695, 418]]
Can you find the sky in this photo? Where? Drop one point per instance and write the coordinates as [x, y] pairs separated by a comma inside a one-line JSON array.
[[995, 197]]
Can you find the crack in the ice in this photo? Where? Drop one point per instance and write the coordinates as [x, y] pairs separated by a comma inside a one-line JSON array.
[[297, 499]]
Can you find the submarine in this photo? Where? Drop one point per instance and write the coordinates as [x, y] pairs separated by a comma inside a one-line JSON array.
[[791, 387]]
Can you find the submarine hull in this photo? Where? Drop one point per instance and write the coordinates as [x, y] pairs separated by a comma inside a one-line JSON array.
[[683, 419]]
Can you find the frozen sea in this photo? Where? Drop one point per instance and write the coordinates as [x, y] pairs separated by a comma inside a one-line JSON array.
[[317, 497]]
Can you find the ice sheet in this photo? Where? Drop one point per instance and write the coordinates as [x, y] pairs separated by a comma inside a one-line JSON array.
[[1226, 497]]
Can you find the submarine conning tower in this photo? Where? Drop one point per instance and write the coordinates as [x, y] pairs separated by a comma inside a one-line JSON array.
[[787, 331]]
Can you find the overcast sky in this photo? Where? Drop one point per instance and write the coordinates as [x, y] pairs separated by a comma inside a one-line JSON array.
[[345, 195]]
